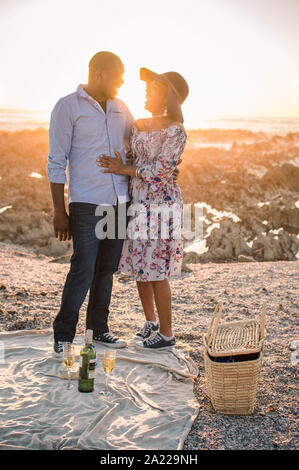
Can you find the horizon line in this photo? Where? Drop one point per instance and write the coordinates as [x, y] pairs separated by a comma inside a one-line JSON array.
[[200, 116]]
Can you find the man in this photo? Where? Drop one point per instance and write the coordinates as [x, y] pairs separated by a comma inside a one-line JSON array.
[[85, 124]]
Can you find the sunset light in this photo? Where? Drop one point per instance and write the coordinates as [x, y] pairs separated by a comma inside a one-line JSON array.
[[240, 58], [149, 228]]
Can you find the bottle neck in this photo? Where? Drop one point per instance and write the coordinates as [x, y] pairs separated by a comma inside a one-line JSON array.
[[88, 338]]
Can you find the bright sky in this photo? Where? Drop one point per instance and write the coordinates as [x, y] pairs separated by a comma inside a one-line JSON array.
[[239, 57]]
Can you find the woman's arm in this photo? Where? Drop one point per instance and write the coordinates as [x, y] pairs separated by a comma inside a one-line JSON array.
[[116, 165], [129, 169], [165, 163], [163, 166]]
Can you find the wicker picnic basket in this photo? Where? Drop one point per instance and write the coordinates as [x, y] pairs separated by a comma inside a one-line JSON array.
[[232, 385]]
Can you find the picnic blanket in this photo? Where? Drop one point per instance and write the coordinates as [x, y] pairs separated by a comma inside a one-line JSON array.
[[152, 404]]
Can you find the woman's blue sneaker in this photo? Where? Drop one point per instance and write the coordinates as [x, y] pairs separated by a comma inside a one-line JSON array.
[[156, 342]]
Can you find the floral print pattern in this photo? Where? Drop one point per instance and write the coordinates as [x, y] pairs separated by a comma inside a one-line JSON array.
[[153, 252]]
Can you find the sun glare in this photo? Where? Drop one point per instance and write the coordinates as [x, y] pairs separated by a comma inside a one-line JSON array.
[[234, 65]]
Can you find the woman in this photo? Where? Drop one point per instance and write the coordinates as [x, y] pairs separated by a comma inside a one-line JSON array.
[[157, 144]]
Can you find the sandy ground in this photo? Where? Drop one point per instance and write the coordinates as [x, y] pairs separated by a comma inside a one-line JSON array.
[[30, 293]]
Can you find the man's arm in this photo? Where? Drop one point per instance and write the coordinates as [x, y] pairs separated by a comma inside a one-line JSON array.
[[60, 139], [61, 219]]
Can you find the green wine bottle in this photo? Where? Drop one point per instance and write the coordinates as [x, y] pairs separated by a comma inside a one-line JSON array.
[[87, 365]]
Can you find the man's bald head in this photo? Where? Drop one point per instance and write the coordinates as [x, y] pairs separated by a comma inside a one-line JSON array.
[[105, 60]]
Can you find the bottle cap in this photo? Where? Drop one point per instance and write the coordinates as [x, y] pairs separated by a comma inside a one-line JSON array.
[[89, 336]]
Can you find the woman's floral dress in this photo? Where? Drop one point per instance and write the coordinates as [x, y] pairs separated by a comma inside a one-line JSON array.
[[153, 251]]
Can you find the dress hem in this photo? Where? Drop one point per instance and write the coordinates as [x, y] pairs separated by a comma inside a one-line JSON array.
[[177, 275]]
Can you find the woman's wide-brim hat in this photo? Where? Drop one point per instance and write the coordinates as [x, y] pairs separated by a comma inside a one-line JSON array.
[[177, 89]]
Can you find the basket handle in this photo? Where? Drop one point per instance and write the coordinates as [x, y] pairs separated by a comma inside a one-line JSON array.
[[263, 320], [210, 334]]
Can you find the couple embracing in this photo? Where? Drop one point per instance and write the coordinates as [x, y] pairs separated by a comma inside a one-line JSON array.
[[116, 162]]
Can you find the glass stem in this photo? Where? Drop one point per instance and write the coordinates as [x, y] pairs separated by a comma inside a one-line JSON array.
[[107, 377], [69, 378]]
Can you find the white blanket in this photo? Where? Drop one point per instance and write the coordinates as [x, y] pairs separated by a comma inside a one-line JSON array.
[[152, 406]]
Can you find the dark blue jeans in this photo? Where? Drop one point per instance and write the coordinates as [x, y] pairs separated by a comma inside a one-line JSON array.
[[93, 263]]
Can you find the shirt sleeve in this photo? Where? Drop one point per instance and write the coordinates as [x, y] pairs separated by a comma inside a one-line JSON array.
[[165, 162], [60, 140]]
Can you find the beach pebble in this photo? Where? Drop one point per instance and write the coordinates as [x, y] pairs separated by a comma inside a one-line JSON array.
[[294, 345], [295, 357]]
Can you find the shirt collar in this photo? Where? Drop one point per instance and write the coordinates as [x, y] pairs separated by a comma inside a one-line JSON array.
[[84, 94], [81, 91], [112, 104]]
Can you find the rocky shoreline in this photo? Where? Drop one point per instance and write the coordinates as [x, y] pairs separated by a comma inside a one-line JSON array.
[[254, 185], [246, 183]]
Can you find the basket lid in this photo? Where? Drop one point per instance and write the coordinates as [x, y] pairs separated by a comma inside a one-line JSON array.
[[234, 338]]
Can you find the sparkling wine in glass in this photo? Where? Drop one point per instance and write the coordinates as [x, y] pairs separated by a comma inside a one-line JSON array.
[[108, 365], [68, 359]]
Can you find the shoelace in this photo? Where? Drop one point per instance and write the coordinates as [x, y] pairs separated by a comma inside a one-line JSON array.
[[154, 340], [61, 343], [110, 337], [145, 329]]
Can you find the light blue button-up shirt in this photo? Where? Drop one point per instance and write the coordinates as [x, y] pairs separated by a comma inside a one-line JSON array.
[[79, 132]]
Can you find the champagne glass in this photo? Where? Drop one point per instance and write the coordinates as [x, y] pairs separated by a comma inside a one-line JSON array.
[[68, 358], [108, 366]]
